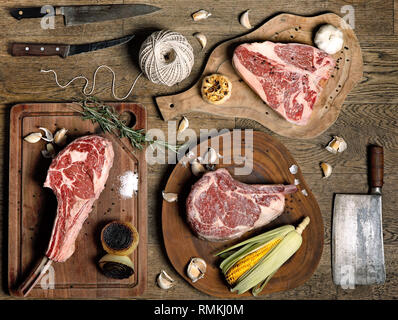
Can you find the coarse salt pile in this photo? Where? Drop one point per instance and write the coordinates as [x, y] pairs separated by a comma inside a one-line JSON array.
[[128, 184]]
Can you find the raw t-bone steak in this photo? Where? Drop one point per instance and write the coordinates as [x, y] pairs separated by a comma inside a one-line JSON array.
[[288, 77], [77, 176], [221, 208]]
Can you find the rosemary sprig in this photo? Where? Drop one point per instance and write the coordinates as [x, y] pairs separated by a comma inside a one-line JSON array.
[[109, 121]]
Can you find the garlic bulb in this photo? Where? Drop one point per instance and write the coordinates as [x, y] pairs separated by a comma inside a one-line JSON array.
[[329, 39]]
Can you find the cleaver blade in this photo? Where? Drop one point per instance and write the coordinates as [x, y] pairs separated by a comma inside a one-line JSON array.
[[357, 232]]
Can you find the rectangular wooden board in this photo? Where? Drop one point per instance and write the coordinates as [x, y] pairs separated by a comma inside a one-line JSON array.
[[32, 208]]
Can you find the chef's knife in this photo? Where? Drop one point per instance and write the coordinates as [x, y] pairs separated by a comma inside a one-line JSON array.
[[63, 50], [76, 15], [357, 235]]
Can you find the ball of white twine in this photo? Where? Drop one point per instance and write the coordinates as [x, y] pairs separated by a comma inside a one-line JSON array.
[[166, 57]]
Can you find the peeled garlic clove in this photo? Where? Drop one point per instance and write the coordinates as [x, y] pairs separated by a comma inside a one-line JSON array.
[[196, 269], [164, 280], [327, 169], [33, 137], [244, 20], [184, 124], [49, 152], [169, 196], [210, 156], [197, 168], [201, 38], [200, 15], [60, 137], [49, 136]]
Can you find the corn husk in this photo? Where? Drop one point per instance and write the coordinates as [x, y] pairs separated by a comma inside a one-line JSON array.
[[258, 276]]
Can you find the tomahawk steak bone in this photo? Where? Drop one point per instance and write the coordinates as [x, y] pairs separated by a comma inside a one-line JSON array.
[[221, 208], [288, 77], [77, 176]]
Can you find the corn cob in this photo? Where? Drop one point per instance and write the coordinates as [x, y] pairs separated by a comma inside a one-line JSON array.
[[248, 261], [265, 254]]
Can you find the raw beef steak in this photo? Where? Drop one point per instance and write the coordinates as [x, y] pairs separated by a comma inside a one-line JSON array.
[[77, 176], [220, 208], [288, 77]]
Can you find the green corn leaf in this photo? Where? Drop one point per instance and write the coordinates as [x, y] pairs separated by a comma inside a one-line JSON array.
[[270, 263]]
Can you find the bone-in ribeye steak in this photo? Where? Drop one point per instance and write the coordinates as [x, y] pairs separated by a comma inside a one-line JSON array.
[[221, 208], [77, 176], [288, 77]]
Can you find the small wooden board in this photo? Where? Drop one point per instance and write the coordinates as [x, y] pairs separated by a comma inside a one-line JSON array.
[[271, 163], [32, 208], [244, 103]]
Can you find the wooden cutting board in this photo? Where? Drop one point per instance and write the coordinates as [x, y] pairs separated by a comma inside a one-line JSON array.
[[271, 163], [244, 103], [32, 208]]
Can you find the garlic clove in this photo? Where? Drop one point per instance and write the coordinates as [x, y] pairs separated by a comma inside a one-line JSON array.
[[326, 169], [338, 144], [164, 281], [33, 137], [201, 38], [197, 168], [293, 169], [184, 124], [200, 15], [244, 20], [49, 152], [49, 136], [196, 269], [210, 156], [60, 137], [170, 196]]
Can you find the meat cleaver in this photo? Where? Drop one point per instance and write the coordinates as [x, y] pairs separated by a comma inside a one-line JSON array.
[[357, 234]]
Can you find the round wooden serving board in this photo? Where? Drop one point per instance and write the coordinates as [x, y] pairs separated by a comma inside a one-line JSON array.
[[271, 163], [244, 103]]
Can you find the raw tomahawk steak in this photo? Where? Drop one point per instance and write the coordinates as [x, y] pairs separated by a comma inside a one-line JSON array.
[[220, 208], [77, 176], [288, 77]]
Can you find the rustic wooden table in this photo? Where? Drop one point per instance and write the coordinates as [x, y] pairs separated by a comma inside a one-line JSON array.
[[368, 115]]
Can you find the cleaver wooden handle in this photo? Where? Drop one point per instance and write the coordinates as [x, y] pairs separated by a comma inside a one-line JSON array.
[[376, 166]]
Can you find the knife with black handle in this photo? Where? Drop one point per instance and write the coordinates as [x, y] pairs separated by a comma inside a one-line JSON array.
[[31, 12], [77, 15]]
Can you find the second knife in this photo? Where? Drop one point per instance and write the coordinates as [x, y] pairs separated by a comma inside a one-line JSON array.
[[63, 50]]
